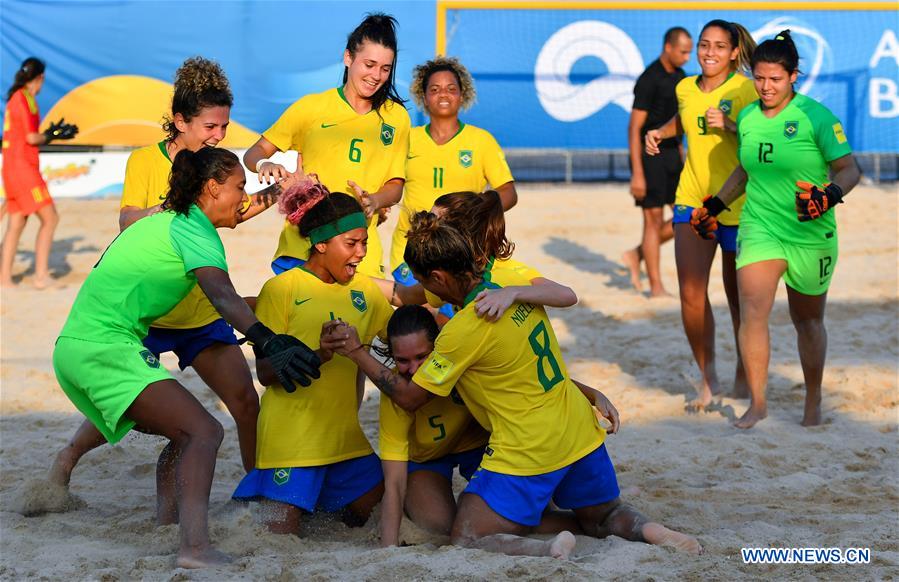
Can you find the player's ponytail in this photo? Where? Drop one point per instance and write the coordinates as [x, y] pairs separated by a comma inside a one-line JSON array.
[[779, 50], [296, 201], [31, 69], [739, 38], [432, 244], [482, 219], [199, 83], [190, 173], [378, 28]]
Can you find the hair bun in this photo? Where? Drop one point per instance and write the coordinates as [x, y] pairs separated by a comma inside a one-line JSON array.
[[783, 35], [299, 197]]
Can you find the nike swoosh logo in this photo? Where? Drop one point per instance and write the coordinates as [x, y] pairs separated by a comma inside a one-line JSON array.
[[327, 125], [298, 302], [412, 157]]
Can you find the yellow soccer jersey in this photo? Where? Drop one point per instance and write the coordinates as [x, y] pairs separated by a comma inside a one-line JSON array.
[[466, 163], [505, 273], [338, 144], [146, 184], [318, 425], [441, 427], [711, 153], [512, 378]]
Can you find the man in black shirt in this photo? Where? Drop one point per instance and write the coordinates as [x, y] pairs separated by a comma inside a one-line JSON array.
[[654, 178]]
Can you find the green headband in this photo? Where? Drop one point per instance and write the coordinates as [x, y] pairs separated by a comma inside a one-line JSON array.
[[339, 226]]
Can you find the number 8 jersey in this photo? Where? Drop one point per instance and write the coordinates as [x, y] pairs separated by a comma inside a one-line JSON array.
[[711, 153], [796, 144], [512, 378]]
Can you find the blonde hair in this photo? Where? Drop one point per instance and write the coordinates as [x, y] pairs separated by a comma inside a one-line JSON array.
[[421, 74]]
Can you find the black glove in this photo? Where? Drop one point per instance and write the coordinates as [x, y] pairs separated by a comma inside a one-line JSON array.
[[60, 130], [813, 201], [703, 220], [290, 358]]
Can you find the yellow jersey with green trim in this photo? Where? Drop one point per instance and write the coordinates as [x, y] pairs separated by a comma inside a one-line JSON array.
[[504, 272], [441, 427], [339, 144], [512, 378], [147, 184], [466, 163], [317, 425], [711, 153]]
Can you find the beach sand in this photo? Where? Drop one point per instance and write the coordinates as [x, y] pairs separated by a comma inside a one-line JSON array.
[[777, 485]]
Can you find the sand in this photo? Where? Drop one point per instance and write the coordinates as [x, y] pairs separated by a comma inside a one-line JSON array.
[[777, 485]]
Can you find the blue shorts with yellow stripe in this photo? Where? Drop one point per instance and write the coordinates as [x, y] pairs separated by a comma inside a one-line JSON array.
[[726, 235], [588, 481]]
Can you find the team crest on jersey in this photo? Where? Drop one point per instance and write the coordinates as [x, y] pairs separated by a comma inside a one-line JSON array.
[[149, 359], [465, 158], [791, 128], [358, 300], [726, 105], [281, 476], [387, 132]]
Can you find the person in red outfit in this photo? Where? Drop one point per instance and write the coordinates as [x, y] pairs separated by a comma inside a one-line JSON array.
[[26, 191]]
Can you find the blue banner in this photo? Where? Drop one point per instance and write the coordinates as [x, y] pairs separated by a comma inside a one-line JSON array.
[[564, 78]]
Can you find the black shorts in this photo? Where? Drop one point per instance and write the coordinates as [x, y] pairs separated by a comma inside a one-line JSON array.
[[662, 172]]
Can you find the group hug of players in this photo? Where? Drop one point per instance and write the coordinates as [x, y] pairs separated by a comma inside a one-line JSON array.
[[488, 392]]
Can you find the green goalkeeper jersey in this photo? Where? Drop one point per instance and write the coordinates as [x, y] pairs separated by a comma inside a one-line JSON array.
[[796, 144]]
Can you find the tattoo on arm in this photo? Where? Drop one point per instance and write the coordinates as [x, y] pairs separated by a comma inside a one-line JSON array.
[[386, 382]]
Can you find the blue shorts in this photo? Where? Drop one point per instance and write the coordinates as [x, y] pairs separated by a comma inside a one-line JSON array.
[[285, 263], [588, 481], [326, 487], [467, 462], [726, 234], [187, 343], [403, 276]]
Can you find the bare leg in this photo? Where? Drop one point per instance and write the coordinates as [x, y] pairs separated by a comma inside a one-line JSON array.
[[622, 520], [807, 313], [281, 518], [85, 439], [631, 259], [758, 287], [694, 258], [166, 486], [557, 520], [166, 408], [729, 277], [357, 513], [224, 369], [653, 219], [478, 526], [429, 502], [42, 245], [14, 227]]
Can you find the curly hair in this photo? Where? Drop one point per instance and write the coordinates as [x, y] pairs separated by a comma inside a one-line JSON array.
[[421, 76], [199, 83]]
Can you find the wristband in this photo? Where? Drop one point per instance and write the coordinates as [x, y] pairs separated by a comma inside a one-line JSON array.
[[714, 205]]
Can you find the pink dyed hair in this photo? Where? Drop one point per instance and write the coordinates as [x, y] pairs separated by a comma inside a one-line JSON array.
[[296, 201]]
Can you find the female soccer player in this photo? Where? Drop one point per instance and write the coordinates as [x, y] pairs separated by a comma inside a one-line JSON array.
[[708, 105], [420, 450], [446, 155], [788, 143], [311, 452], [201, 109], [354, 137], [26, 191], [545, 441], [481, 218], [118, 384]]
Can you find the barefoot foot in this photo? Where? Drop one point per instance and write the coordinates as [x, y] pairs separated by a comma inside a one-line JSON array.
[[41, 283], [703, 400], [751, 417], [561, 546], [660, 293], [659, 535], [62, 467], [206, 558], [7, 283], [812, 416], [631, 260]]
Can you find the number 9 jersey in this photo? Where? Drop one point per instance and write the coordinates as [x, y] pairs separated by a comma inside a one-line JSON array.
[[711, 152], [512, 378]]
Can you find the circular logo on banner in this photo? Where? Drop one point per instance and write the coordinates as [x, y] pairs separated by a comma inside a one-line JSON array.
[[567, 101], [813, 49]]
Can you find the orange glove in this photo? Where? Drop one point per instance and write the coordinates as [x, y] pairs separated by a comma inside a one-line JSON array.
[[812, 201]]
